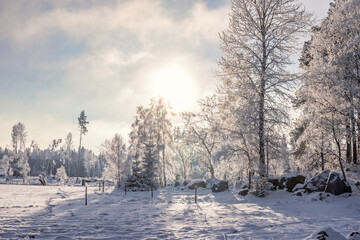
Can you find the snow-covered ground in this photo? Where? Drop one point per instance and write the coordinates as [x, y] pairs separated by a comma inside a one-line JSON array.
[[58, 212]]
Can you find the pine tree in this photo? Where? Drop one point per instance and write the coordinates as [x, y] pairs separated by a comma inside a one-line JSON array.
[[83, 130]]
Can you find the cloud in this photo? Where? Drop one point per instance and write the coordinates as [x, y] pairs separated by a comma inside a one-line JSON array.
[[97, 56]]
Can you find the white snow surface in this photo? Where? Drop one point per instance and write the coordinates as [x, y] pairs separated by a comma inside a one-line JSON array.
[[58, 212]]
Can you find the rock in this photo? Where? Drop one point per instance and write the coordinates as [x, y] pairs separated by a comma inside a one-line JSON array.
[[326, 234], [169, 183], [177, 184], [354, 236], [244, 186], [186, 182], [290, 180], [274, 181], [327, 181], [220, 186], [269, 186], [210, 182], [196, 184], [298, 187], [244, 192], [42, 180], [261, 194], [298, 193]]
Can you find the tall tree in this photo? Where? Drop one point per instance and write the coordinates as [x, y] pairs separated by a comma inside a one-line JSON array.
[[18, 136], [151, 124], [83, 130], [329, 96], [257, 47]]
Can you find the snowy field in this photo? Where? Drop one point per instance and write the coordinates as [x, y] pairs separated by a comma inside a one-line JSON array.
[[58, 212]]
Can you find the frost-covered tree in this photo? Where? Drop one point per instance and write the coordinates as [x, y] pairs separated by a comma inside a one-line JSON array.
[[184, 151], [329, 98], [22, 166], [18, 136], [61, 174], [115, 152], [5, 165], [152, 122], [256, 83], [202, 131]]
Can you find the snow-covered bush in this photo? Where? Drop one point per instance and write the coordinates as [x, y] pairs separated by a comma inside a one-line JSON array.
[[5, 165], [61, 174]]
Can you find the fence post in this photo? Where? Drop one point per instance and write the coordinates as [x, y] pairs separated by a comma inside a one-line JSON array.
[[85, 195], [103, 186], [152, 192], [99, 186], [125, 189], [195, 194]]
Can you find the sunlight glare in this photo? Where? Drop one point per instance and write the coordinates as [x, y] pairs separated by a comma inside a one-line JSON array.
[[176, 86]]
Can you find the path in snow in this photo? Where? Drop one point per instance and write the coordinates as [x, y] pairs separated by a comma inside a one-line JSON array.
[[54, 212]]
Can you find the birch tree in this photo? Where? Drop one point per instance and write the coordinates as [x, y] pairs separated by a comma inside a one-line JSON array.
[[115, 152], [257, 47]]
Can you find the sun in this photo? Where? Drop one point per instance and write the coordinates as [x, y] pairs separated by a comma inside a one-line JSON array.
[[175, 85]]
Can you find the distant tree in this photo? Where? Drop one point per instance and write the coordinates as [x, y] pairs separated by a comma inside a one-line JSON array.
[[115, 152], [83, 130], [18, 136], [5, 165], [22, 166], [151, 123], [150, 165], [184, 150]]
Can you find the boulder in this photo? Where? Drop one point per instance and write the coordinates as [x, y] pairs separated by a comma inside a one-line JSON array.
[[244, 192], [196, 184], [298, 187], [274, 181], [298, 193], [328, 181], [186, 182], [220, 186], [269, 186], [211, 181], [354, 236], [290, 180], [326, 234]]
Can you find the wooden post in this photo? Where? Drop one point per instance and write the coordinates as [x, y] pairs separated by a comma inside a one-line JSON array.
[[125, 189], [103, 185], [195, 194], [99, 186], [85, 196], [152, 192]]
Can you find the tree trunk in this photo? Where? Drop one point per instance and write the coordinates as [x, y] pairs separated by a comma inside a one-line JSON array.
[[164, 164], [353, 134], [267, 159], [339, 152], [250, 174], [348, 143], [78, 161], [322, 161], [262, 100]]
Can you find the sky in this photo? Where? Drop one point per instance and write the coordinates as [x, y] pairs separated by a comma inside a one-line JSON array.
[[58, 58]]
